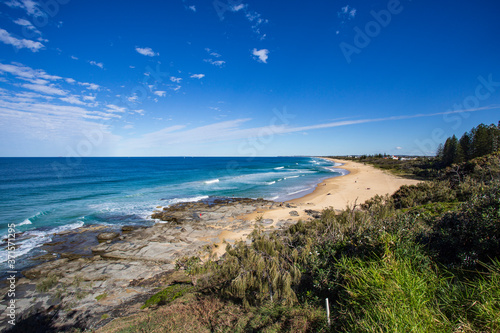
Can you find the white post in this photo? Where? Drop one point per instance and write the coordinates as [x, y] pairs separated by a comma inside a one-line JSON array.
[[328, 312]]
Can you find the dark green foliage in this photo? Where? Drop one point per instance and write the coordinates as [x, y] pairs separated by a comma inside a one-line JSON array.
[[423, 193], [452, 152], [188, 264], [471, 235], [168, 295], [480, 141]]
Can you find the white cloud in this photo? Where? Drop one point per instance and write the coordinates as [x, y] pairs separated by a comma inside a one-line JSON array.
[[26, 73], [29, 117], [218, 63], [232, 130], [70, 80], [74, 58], [90, 86], [262, 55], [160, 93], [50, 90], [193, 8], [147, 51], [175, 79], [28, 25], [214, 54], [131, 66], [6, 38], [141, 112], [72, 100], [399, 148], [115, 108], [30, 6], [129, 126], [238, 7], [132, 98], [347, 13], [98, 64], [89, 98], [197, 76], [176, 88]]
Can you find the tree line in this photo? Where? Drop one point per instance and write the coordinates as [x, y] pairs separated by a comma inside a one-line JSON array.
[[480, 141]]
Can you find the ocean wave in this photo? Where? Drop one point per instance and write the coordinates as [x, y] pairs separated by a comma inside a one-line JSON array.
[[274, 198], [25, 222], [271, 183], [302, 190], [292, 177], [36, 238], [212, 181], [342, 172], [279, 168], [189, 199]]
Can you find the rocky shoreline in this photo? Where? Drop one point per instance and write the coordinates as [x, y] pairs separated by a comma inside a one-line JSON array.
[[93, 274]]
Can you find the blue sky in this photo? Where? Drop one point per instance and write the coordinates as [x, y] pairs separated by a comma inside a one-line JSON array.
[[244, 78]]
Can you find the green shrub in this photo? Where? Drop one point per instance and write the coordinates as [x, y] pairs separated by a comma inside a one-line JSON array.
[[470, 235], [168, 295], [423, 193]]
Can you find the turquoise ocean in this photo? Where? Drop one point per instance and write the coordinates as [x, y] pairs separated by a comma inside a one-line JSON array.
[[43, 196]]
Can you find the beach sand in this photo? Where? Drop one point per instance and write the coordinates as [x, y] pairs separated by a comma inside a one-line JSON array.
[[362, 183]]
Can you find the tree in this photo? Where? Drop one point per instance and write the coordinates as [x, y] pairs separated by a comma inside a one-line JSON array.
[[452, 152], [466, 145], [482, 142]]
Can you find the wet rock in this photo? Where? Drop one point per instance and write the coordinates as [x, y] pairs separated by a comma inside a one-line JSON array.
[[129, 228], [294, 213], [105, 236]]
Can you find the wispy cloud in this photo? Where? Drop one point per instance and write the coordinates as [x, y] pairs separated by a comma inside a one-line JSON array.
[[252, 16], [261, 55], [26, 73], [72, 100], [31, 7], [197, 76], [233, 130], [28, 25], [347, 13], [115, 108], [237, 8], [147, 51], [218, 63], [193, 8], [175, 79], [41, 117], [50, 90], [98, 64], [160, 93], [90, 86], [7, 38]]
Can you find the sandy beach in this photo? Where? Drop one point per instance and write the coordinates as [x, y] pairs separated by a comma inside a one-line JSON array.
[[362, 183]]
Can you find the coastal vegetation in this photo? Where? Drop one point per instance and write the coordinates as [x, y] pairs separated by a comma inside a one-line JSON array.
[[425, 259]]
